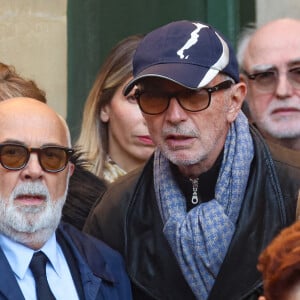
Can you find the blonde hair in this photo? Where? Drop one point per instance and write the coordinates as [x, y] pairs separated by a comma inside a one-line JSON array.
[[115, 71]]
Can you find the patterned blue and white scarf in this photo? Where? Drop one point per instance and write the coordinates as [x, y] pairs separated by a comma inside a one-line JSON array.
[[200, 238]]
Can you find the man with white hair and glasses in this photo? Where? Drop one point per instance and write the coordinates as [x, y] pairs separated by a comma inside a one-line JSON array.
[[40, 257], [192, 222], [269, 58]]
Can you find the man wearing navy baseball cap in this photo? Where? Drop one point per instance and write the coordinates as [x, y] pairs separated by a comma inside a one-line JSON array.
[[192, 223]]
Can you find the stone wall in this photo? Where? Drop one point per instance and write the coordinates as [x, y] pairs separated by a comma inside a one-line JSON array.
[[33, 38], [267, 10]]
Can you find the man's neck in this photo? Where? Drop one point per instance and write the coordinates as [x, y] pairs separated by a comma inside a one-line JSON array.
[[204, 190], [34, 240], [193, 171]]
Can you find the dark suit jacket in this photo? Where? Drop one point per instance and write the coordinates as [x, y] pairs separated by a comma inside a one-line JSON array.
[[102, 270]]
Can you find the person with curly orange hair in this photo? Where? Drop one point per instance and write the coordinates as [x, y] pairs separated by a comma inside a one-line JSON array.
[[279, 264]]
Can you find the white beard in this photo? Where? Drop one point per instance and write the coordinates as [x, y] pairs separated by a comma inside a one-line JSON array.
[[30, 224]]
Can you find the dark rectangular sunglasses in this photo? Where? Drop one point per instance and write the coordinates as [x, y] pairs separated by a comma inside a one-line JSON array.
[[52, 159]]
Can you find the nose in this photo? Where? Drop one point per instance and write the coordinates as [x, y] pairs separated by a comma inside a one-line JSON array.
[[33, 169], [175, 113], [283, 89]]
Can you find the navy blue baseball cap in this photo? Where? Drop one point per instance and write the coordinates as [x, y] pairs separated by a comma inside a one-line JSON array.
[[188, 53]]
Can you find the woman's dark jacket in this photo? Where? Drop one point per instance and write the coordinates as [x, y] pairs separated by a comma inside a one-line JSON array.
[[128, 219]]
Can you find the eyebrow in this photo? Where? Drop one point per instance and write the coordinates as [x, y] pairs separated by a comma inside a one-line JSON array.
[[293, 62], [262, 68], [7, 141], [17, 142], [269, 67]]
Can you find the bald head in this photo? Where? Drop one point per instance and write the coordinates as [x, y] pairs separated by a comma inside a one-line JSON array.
[[32, 114], [272, 38]]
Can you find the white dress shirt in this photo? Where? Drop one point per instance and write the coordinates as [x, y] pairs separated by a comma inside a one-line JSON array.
[[58, 273]]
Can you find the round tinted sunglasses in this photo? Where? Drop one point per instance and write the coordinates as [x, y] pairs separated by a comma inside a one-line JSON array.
[[52, 159]]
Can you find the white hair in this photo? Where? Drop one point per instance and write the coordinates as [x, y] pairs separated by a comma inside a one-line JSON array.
[[243, 42]]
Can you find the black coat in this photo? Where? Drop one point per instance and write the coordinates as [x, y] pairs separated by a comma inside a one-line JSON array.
[[128, 219], [85, 189]]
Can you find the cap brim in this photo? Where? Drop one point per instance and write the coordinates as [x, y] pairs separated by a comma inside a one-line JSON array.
[[187, 75]]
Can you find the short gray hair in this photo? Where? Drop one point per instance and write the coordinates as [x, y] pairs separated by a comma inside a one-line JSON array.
[[243, 42]]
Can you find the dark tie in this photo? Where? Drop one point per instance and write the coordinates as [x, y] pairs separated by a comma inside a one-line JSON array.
[[38, 269]]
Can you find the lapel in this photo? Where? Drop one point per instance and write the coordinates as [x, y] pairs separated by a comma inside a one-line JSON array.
[[69, 256], [9, 288], [89, 278]]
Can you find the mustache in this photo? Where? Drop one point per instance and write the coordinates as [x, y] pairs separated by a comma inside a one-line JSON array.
[[286, 104], [179, 130], [30, 188]]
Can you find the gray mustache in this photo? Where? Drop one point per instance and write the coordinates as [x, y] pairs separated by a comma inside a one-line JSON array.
[[179, 131], [30, 188]]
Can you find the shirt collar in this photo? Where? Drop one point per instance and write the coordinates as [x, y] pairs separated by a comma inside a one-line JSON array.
[[19, 256]]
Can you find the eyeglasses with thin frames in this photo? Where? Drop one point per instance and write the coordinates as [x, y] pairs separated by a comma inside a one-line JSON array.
[[155, 102], [52, 159], [267, 81]]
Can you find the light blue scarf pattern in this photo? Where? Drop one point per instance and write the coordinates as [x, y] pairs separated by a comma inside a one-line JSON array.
[[200, 238]]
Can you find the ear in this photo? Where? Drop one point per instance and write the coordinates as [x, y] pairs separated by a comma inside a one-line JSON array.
[[237, 96], [104, 113], [71, 169]]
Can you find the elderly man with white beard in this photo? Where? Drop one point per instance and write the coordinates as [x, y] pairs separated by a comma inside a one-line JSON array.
[[35, 167], [269, 59]]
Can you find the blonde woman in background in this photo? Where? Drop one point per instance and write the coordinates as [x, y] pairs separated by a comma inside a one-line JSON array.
[[114, 136]]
